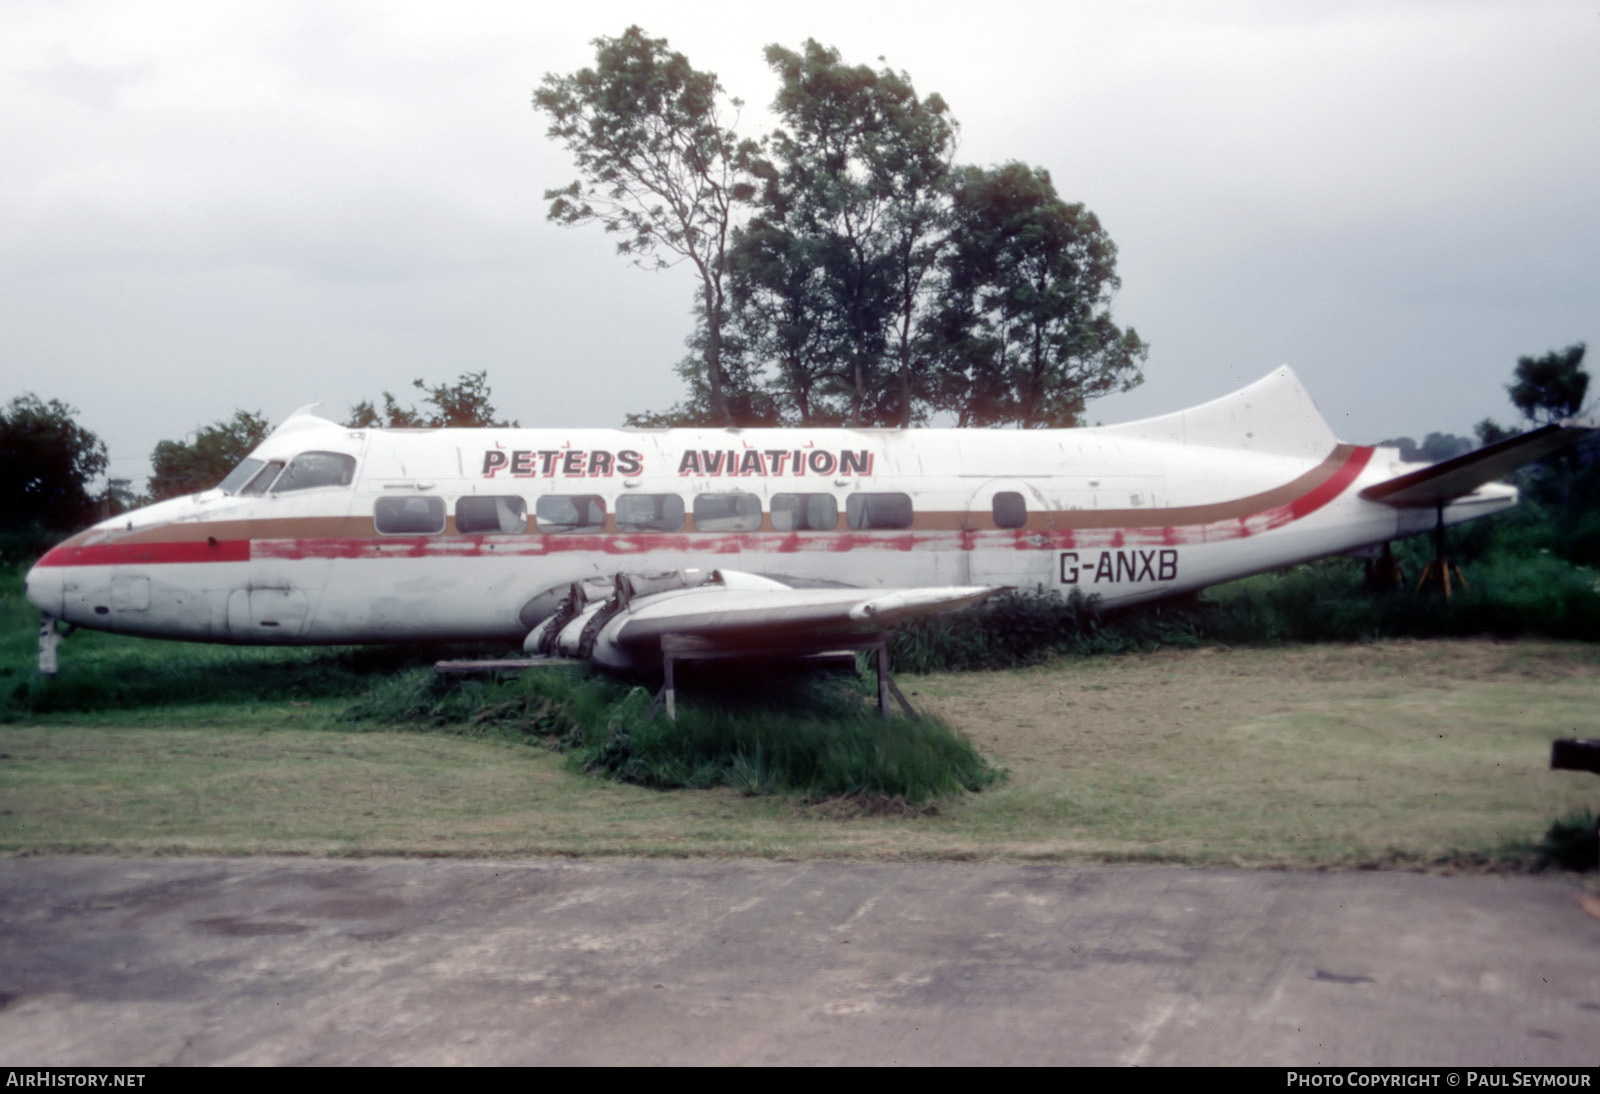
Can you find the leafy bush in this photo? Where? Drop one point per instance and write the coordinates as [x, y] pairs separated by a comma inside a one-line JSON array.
[[1573, 843]]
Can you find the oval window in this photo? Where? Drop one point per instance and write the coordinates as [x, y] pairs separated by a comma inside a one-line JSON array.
[[878, 511], [727, 513], [501, 513], [804, 512], [562, 513], [408, 516], [1009, 509], [649, 513]]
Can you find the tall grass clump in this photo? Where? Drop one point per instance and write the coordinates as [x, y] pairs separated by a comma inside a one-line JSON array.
[[1016, 629], [760, 733], [1505, 596], [1529, 591], [817, 741], [559, 706]]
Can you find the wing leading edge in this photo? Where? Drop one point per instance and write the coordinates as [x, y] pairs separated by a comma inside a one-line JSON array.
[[731, 609], [1449, 479]]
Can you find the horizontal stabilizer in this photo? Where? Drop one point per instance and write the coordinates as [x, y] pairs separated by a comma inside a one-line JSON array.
[[1454, 478]]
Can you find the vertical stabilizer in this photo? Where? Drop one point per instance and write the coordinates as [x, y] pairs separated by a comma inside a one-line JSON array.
[[1273, 416]]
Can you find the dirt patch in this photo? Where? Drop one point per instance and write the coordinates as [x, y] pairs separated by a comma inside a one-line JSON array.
[[850, 806]]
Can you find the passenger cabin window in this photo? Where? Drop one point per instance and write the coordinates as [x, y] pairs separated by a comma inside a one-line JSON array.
[[864, 511], [804, 512], [649, 513], [1010, 510], [727, 512], [316, 470], [239, 476], [259, 484], [506, 514], [560, 513], [408, 516]]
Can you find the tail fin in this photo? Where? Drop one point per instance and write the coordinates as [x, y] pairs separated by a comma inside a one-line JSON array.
[[1273, 416]]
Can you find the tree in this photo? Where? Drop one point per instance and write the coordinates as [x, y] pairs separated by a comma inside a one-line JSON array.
[[1490, 431], [1545, 390], [1552, 387], [188, 467], [658, 167], [1435, 447], [1026, 331], [851, 220], [463, 404], [47, 462], [118, 498], [783, 319]]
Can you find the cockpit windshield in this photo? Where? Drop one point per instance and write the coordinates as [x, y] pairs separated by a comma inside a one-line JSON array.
[[239, 476], [259, 484], [307, 471]]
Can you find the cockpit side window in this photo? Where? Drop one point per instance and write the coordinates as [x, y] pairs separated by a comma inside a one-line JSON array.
[[316, 470], [259, 484], [239, 476]]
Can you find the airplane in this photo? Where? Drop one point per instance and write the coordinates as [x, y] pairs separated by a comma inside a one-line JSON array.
[[604, 544]]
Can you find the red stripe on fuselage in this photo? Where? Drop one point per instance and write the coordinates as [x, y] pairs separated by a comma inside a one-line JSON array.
[[1312, 500], [129, 554]]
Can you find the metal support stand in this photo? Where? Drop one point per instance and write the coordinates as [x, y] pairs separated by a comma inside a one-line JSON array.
[[684, 647], [49, 643], [1440, 569]]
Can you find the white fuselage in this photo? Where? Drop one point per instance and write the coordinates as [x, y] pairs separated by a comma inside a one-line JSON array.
[[473, 534]]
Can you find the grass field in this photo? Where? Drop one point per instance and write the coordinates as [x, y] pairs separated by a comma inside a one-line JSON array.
[[1400, 753]]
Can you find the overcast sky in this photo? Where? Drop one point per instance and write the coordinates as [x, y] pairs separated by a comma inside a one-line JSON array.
[[214, 205]]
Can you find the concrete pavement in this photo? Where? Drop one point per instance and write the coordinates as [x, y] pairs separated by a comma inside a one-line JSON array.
[[143, 962]]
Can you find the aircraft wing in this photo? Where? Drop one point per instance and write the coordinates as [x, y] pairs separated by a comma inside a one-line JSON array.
[[735, 610], [1454, 478]]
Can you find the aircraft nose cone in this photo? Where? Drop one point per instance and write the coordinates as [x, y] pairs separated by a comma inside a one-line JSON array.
[[43, 588]]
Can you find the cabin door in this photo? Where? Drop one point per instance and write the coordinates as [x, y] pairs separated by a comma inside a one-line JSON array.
[[1007, 522], [296, 536]]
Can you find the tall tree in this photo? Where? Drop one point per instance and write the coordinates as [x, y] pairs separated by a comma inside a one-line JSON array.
[[658, 166], [1547, 389], [460, 405], [1026, 334], [782, 313], [851, 219], [47, 462], [188, 467], [1552, 387]]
